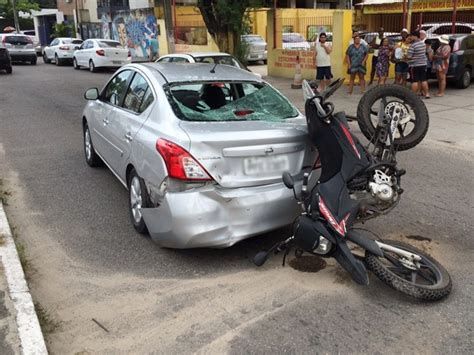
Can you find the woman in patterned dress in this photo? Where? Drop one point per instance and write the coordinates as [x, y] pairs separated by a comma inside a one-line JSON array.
[[356, 57], [383, 63], [441, 63]]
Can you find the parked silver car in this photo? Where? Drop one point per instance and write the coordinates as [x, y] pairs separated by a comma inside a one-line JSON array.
[[256, 48], [19, 46], [201, 149]]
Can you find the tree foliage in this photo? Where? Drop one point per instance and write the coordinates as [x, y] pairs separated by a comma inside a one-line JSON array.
[[63, 30], [6, 11], [227, 20]]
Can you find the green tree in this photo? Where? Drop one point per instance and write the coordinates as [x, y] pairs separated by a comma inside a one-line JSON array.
[[63, 30], [6, 9], [227, 20]]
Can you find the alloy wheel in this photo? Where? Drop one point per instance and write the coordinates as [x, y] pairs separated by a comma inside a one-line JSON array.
[[88, 144], [136, 199], [466, 78]]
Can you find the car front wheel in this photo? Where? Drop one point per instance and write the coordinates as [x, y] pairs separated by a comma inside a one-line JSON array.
[[137, 199], [45, 59], [74, 64], [92, 159]]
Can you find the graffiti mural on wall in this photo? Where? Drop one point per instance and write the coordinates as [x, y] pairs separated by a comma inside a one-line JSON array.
[[136, 29]]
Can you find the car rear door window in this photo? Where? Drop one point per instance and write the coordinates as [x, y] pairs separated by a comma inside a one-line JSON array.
[[116, 88], [136, 94]]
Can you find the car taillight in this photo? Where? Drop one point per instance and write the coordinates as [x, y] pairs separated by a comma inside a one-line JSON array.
[[100, 52], [129, 54], [64, 48], [180, 164]]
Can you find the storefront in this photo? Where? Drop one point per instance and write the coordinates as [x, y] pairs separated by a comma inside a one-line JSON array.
[[372, 14]]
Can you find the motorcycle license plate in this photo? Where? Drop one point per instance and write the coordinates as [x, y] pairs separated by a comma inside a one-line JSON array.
[[259, 165]]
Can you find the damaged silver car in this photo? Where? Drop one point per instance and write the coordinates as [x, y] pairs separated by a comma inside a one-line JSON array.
[[201, 149]]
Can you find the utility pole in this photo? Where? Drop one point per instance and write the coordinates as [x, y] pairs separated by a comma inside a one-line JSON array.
[[410, 5], [15, 17], [453, 28]]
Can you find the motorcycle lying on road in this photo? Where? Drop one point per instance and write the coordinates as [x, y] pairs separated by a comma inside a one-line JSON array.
[[358, 183]]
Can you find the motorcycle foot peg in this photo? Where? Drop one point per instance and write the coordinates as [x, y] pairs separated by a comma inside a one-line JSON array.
[[401, 172], [260, 258]]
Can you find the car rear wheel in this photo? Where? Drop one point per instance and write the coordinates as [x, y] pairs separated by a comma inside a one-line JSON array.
[[465, 79], [33, 61], [46, 60], [9, 70], [92, 67], [92, 159], [57, 60], [138, 198], [74, 64]]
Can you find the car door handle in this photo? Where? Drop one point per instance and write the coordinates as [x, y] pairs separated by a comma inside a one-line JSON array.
[[128, 137], [106, 121]]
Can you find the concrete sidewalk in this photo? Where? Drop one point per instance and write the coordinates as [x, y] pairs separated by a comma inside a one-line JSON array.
[[451, 116], [20, 332]]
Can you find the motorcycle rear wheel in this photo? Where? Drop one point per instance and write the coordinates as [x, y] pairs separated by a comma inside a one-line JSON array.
[[367, 114], [430, 283]]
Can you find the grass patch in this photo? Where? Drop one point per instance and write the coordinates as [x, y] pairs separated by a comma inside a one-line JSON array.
[[4, 194], [21, 249], [48, 325]]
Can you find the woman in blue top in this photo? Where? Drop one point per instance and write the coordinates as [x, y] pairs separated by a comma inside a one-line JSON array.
[[356, 58]]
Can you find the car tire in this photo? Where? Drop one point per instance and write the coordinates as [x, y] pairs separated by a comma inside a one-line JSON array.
[[465, 80], [92, 159], [33, 61], [74, 64], [137, 198], [265, 62], [92, 67], [57, 60], [46, 60], [9, 70]]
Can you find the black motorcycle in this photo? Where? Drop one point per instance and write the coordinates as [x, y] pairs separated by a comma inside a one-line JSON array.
[[358, 183]]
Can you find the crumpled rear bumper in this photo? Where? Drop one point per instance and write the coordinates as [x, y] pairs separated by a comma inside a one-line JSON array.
[[219, 218]]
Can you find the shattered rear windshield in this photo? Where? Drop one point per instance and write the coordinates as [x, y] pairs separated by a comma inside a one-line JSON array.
[[229, 101]]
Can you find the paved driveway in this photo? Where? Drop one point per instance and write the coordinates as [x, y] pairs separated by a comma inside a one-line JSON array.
[[88, 263]]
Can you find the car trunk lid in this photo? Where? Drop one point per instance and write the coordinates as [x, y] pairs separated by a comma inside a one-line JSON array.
[[248, 153]]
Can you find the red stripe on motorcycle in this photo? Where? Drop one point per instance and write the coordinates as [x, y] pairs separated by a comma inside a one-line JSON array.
[[339, 227], [349, 138]]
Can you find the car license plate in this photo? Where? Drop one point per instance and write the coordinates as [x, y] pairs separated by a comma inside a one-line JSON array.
[[254, 56], [116, 62], [259, 165]]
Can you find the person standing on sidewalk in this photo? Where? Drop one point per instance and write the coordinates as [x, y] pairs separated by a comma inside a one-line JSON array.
[[375, 44], [356, 58], [383, 61], [323, 61], [441, 63], [417, 63], [400, 59]]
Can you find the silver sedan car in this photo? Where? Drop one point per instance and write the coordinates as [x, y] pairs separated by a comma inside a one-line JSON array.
[[201, 149]]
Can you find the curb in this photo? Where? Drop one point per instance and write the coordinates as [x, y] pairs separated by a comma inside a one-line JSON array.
[[29, 330]]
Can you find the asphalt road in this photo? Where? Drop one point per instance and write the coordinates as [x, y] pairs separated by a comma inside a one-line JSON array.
[[88, 262]]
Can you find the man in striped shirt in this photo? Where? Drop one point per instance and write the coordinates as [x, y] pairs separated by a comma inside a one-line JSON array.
[[417, 64]]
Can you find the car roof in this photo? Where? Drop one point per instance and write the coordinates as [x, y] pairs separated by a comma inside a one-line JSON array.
[[207, 54], [184, 72]]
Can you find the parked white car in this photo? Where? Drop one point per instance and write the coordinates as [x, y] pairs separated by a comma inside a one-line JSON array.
[[20, 47], [61, 50], [293, 40], [101, 53]]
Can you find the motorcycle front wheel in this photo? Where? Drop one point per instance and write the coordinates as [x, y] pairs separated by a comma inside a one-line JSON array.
[[414, 119], [431, 282]]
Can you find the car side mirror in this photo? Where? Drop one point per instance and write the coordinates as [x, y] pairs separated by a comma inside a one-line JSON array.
[[288, 180], [91, 94]]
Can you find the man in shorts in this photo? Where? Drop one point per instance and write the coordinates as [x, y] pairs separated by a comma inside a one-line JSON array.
[[323, 61], [401, 65], [417, 63]]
